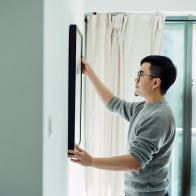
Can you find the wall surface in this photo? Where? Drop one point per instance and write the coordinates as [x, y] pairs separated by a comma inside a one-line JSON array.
[[58, 15], [139, 5], [33, 87], [21, 98], [55, 98]]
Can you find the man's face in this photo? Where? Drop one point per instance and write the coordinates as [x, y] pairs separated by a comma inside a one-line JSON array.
[[144, 86]]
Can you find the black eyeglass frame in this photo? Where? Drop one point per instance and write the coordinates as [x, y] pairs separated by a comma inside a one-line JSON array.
[[141, 73]]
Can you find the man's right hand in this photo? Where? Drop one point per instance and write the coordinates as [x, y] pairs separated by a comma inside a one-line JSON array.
[[105, 94], [85, 66]]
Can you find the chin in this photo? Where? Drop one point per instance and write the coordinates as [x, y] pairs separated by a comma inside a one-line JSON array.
[[136, 94]]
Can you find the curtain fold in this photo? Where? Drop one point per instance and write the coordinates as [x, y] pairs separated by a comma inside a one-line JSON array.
[[115, 45], [143, 38]]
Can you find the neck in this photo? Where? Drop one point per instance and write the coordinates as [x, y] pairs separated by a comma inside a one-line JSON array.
[[154, 99]]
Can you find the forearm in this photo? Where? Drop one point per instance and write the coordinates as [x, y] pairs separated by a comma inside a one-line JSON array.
[[118, 163], [105, 94]]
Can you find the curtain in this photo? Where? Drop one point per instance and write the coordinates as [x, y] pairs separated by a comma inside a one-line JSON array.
[[143, 38], [115, 45]]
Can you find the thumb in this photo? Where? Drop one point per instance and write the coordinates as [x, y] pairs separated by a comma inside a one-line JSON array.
[[79, 149]]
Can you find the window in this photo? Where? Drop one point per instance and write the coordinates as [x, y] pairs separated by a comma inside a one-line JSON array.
[[178, 39], [193, 156]]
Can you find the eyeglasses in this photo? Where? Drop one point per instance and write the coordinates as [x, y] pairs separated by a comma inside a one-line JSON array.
[[141, 73]]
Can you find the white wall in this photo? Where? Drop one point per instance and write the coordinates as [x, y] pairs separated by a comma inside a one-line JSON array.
[[33, 101], [139, 5], [55, 34], [58, 15]]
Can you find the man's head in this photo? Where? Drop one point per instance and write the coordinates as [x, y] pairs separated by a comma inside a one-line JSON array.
[[156, 75]]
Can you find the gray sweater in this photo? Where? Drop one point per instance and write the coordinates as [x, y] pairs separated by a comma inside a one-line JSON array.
[[150, 137]]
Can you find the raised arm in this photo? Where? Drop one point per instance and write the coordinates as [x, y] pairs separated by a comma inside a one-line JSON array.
[[114, 104], [104, 93]]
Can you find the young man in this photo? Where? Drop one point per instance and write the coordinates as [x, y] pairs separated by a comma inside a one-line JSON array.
[[151, 131]]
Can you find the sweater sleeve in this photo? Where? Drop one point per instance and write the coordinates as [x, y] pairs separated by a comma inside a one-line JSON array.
[[149, 138], [123, 108]]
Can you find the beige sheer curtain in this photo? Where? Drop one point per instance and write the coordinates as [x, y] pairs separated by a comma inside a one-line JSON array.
[[115, 45], [143, 37]]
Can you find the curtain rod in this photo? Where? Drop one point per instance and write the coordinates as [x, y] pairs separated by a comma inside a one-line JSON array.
[[188, 18], [168, 20], [95, 13]]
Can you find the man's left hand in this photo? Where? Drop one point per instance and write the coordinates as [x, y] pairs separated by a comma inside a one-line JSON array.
[[80, 156]]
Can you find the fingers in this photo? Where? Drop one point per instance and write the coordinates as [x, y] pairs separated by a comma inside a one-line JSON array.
[[76, 151], [76, 155], [75, 160], [84, 60], [84, 63], [73, 154], [71, 151]]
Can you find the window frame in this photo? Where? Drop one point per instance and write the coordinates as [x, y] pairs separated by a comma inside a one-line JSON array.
[[187, 99]]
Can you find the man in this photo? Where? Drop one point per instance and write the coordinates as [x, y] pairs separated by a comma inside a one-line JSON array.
[[151, 131]]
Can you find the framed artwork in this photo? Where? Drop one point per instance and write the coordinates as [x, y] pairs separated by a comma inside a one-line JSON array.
[[74, 87]]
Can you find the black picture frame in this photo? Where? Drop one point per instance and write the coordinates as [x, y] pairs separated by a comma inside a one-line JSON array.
[[74, 86]]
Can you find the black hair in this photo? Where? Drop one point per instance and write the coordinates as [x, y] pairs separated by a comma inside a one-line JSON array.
[[162, 67]]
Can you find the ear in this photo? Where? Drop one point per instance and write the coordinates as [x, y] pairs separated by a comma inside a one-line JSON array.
[[156, 82]]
